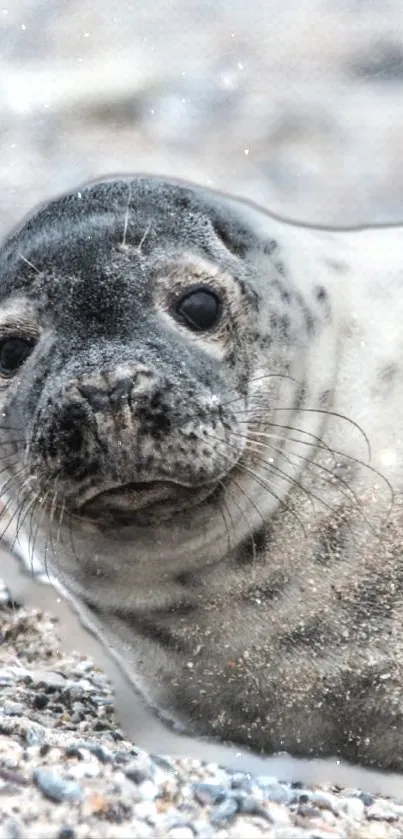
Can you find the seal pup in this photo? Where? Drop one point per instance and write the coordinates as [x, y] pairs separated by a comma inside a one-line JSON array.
[[201, 433]]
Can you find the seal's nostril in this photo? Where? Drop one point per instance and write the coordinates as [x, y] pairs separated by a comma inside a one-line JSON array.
[[74, 440], [71, 426], [120, 392], [96, 396]]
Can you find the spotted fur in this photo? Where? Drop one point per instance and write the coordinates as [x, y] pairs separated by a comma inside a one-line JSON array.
[[225, 506]]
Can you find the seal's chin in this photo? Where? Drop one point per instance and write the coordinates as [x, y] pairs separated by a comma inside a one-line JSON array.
[[142, 503]]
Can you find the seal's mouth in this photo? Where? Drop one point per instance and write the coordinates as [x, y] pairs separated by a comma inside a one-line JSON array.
[[140, 502]]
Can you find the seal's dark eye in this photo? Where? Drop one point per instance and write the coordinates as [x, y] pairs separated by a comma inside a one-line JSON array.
[[199, 309], [13, 352]]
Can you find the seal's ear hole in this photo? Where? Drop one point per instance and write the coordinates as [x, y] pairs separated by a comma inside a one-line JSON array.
[[13, 352], [236, 239], [199, 309]]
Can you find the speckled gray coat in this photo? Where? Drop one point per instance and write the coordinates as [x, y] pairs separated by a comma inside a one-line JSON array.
[[224, 503]]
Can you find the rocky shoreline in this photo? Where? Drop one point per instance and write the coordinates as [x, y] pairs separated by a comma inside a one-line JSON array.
[[67, 771]]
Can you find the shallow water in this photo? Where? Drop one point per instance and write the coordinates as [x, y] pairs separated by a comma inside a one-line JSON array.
[[150, 733]]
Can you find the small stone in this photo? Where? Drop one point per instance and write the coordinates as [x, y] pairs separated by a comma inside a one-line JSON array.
[[309, 812], [381, 812], [148, 791], [13, 709], [35, 736], [225, 813], [203, 830], [94, 803], [366, 798], [146, 810], [278, 793], [163, 763], [247, 805], [324, 800], [40, 701], [12, 829], [56, 788], [47, 680], [373, 830], [85, 769], [242, 781], [352, 807], [301, 796], [66, 833], [78, 749], [277, 814], [137, 771], [74, 750], [209, 793]]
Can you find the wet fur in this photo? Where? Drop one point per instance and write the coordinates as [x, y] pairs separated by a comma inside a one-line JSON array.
[[255, 593]]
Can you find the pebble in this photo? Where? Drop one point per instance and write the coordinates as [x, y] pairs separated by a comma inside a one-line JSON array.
[[148, 791], [11, 830], [379, 812], [13, 709], [209, 793], [352, 807], [279, 793], [35, 736], [138, 771], [181, 833], [146, 810], [224, 813], [57, 788]]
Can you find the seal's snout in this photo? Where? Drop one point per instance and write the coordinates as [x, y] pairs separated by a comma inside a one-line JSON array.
[[115, 391], [96, 424], [130, 437]]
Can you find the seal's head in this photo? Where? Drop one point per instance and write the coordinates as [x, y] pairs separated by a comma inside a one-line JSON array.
[[145, 327]]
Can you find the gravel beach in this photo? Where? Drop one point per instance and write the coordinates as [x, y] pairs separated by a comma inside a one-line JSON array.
[[295, 105], [67, 770]]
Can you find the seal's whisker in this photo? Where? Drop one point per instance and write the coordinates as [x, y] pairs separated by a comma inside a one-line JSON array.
[[335, 452], [265, 485], [30, 503], [59, 537], [72, 542], [255, 380], [10, 479], [242, 467], [9, 469], [126, 220], [336, 415], [139, 247], [5, 511], [309, 466], [228, 512], [8, 456], [323, 411], [243, 514], [29, 263], [41, 502], [15, 515], [53, 508], [273, 467]]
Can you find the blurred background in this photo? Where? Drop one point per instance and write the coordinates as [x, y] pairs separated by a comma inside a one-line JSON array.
[[296, 104]]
